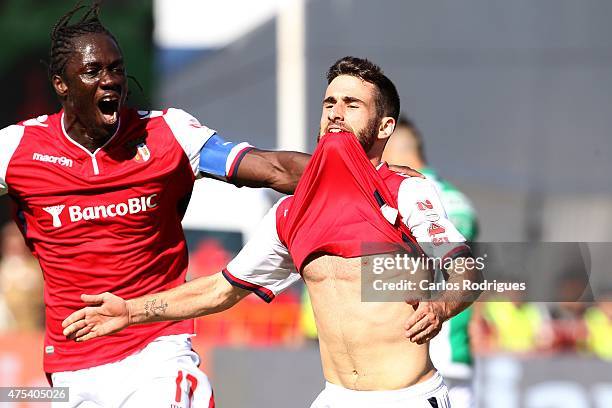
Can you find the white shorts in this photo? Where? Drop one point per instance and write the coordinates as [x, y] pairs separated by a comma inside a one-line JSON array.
[[428, 394], [164, 374]]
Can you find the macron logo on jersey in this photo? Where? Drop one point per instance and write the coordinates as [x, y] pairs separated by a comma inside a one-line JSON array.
[[46, 158], [77, 213]]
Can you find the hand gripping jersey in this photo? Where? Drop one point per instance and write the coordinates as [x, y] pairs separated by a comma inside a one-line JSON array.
[[343, 206], [105, 221]]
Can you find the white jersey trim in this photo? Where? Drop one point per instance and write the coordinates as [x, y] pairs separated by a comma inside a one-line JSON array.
[[190, 134], [94, 161], [10, 137], [234, 153]]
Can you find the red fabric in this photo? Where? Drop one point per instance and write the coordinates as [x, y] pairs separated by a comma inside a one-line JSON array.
[[392, 180], [211, 403], [178, 393], [334, 209], [127, 238]]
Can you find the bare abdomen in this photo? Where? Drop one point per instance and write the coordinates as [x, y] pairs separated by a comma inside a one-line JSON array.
[[363, 346]]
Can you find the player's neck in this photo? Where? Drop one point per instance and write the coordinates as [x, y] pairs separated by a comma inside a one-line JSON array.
[[375, 159], [375, 153], [90, 139]]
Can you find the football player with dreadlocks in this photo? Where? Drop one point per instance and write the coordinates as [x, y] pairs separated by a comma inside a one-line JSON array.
[[101, 189]]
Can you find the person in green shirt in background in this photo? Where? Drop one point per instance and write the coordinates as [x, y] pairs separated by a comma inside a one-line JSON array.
[[450, 349]]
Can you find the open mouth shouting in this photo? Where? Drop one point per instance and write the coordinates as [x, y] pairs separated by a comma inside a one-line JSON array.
[[109, 105]]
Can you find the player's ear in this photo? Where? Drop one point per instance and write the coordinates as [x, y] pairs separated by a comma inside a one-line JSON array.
[[387, 126], [61, 88]]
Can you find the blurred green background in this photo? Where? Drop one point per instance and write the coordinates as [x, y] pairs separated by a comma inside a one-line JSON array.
[[26, 26]]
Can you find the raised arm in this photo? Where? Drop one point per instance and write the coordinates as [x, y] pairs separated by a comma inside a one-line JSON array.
[[109, 313], [243, 165], [281, 170], [210, 155]]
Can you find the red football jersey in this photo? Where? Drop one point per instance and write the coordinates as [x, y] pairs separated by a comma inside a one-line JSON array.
[[104, 221], [343, 206]]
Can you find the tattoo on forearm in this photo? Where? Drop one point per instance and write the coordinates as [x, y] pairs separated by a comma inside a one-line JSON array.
[[152, 308]]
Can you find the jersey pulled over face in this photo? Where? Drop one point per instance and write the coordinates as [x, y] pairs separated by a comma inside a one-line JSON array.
[[341, 203], [108, 220]]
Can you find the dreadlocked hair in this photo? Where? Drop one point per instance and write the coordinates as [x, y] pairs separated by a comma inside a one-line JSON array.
[[64, 34]]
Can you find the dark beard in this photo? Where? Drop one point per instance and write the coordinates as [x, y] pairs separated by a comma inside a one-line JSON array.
[[368, 135]]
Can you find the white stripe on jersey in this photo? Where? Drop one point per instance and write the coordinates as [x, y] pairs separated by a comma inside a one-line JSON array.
[[233, 154]]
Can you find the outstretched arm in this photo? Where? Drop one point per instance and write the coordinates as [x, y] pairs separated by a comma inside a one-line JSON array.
[[109, 313], [278, 170], [244, 165], [263, 266], [281, 170]]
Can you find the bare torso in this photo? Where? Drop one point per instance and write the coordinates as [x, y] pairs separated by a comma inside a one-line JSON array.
[[362, 344]]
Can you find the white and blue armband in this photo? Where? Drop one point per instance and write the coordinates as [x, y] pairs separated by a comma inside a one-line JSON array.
[[221, 158]]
